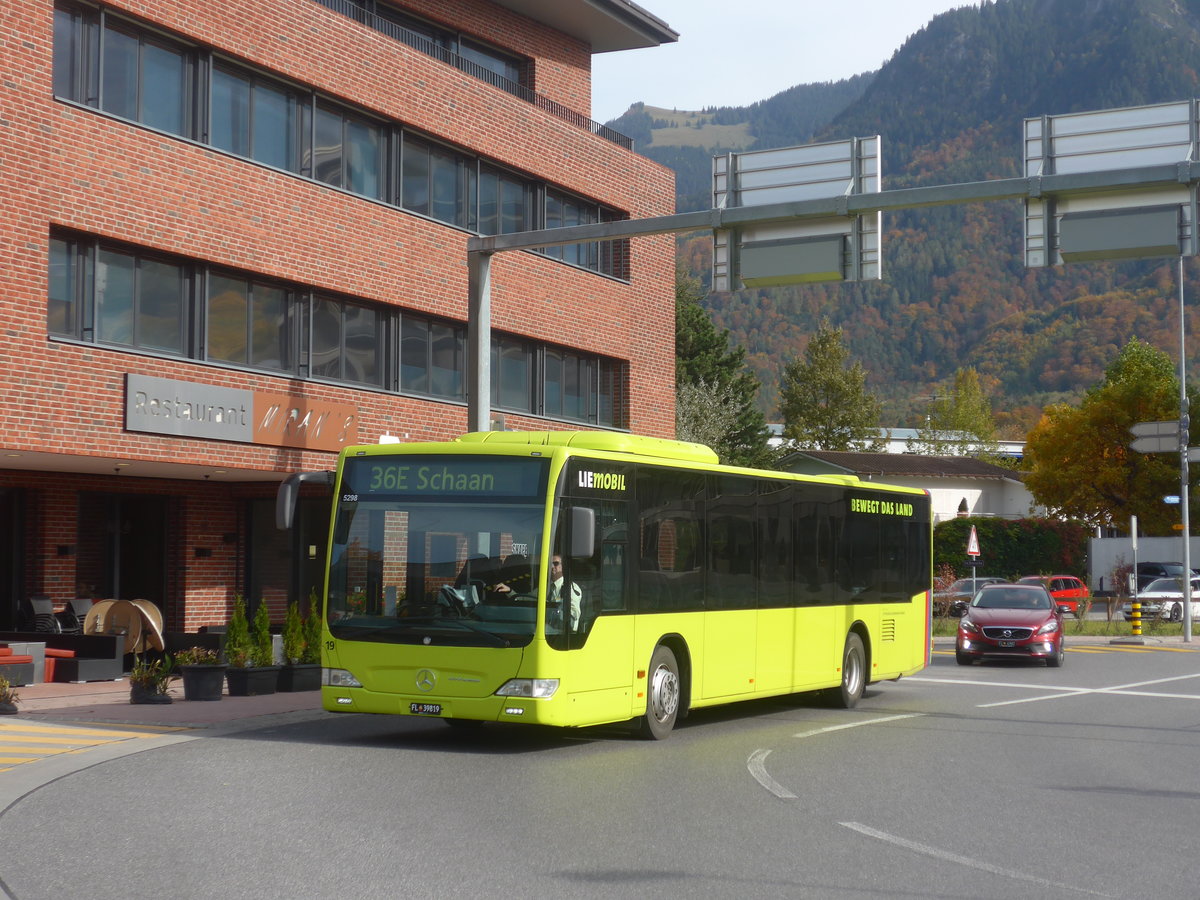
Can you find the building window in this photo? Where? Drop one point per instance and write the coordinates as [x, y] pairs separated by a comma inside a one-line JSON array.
[[144, 80], [66, 286], [348, 152], [344, 341], [249, 323], [141, 302], [105, 62], [103, 293], [503, 202], [512, 374], [256, 118], [432, 357], [75, 59], [477, 59], [556, 383], [438, 183], [563, 211]]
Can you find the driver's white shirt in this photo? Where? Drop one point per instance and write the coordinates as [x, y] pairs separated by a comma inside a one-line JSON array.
[[576, 596]]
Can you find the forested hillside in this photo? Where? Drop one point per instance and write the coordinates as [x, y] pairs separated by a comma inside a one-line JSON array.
[[955, 292]]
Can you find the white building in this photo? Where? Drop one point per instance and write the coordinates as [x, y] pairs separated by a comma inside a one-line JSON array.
[[957, 485]]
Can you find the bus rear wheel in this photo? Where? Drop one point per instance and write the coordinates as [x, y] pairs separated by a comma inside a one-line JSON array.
[[854, 672], [662, 695]]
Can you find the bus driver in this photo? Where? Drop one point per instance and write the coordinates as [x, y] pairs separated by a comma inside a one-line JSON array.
[[556, 595]]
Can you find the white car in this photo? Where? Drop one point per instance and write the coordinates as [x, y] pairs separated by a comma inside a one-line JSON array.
[[1163, 598]]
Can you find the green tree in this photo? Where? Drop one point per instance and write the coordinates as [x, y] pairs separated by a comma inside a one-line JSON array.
[[960, 424], [824, 404], [709, 372], [1080, 463]]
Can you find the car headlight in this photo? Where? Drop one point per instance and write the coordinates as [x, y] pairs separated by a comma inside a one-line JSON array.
[[968, 626], [536, 688], [1049, 628], [339, 678]]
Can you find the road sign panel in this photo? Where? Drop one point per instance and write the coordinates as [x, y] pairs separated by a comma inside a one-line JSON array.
[[1155, 429], [973, 543], [1156, 444]]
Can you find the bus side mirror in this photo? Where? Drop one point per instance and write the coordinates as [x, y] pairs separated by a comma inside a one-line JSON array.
[[289, 493], [583, 532]]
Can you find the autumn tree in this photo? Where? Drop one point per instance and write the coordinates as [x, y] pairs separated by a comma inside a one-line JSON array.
[[960, 424], [1080, 463], [824, 402], [714, 392]]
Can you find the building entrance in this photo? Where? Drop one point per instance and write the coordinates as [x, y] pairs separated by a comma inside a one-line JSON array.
[[12, 547], [122, 547]]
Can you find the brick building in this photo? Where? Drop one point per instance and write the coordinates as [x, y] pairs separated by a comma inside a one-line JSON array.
[[235, 240]]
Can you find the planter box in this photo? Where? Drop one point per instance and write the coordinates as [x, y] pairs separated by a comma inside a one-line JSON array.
[[252, 681], [306, 677], [203, 682]]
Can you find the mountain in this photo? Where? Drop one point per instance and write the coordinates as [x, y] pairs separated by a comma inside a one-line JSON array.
[[955, 292]]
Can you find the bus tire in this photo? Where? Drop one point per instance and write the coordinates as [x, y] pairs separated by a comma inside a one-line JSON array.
[[854, 672], [662, 695]]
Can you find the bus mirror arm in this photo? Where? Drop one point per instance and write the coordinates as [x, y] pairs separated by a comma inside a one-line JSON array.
[[583, 532], [289, 493]]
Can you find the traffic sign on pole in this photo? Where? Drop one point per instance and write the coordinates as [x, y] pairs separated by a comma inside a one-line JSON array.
[[1155, 429], [1158, 443], [973, 543]]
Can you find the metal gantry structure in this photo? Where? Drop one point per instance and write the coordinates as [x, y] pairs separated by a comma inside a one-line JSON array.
[[1111, 184]]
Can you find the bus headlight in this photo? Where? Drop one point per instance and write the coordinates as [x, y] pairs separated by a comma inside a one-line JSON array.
[[537, 688], [339, 678]]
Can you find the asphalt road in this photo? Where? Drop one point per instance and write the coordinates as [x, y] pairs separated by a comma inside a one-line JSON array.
[[995, 780]]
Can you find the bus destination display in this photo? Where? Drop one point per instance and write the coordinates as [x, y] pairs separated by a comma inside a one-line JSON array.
[[445, 476]]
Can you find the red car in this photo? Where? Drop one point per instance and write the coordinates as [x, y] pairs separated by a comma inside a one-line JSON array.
[[1013, 620], [1067, 590]]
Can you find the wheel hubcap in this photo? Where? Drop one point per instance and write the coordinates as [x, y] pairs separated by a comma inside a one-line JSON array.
[[853, 673], [664, 693]]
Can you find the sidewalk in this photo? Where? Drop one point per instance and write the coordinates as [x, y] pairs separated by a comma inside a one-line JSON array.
[[108, 701]]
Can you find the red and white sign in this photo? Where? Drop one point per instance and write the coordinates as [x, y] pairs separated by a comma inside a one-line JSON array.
[[973, 543]]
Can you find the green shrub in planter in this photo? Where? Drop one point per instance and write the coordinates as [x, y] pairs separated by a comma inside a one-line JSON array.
[[237, 635], [261, 653], [293, 635], [312, 630]]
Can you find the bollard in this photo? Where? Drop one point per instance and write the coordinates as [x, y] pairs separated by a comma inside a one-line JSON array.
[[1135, 618]]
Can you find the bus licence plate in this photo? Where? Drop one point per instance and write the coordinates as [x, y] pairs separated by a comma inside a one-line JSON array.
[[425, 709]]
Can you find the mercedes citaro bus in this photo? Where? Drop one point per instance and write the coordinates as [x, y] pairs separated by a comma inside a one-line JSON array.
[[582, 578]]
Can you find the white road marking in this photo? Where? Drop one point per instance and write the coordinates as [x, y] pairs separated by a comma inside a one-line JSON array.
[[1057, 692], [830, 728], [757, 766], [757, 763], [947, 856]]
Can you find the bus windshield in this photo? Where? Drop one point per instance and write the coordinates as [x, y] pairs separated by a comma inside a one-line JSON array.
[[439, 552]]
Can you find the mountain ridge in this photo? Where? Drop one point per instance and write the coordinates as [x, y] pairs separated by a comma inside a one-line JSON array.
[[955, 292]]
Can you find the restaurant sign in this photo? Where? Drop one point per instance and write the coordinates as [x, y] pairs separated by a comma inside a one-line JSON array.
[[188, 409]]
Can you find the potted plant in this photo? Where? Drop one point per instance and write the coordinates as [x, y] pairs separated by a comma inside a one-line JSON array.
[[8, 698], [296, 674], [251, 658], [202, 672], [149, 680], [312, 630]]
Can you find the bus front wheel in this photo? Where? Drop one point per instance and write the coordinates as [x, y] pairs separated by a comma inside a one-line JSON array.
[[854, 672], [662, 695]]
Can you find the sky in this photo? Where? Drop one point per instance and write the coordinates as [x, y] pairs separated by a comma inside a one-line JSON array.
[[735, 53]]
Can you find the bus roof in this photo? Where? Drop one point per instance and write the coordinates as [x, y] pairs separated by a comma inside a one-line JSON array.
[[660, 448]]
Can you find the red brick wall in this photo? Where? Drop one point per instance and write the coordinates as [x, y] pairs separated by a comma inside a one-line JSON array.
[[70, 167]]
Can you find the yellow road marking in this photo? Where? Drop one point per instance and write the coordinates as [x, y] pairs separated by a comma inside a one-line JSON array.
[[25, 742]]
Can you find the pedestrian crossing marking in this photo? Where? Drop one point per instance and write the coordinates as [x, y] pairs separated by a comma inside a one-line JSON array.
[[25, 742]]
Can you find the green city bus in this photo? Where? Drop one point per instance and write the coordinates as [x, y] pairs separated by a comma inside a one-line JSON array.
[[584, 578]]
